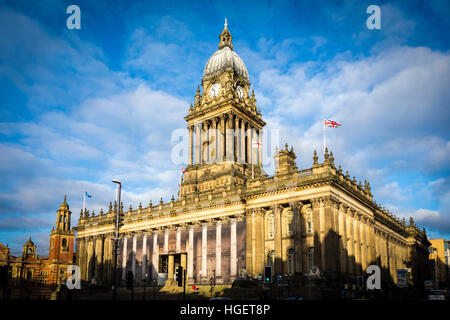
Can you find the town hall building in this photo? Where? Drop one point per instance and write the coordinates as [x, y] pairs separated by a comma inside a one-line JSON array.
[[230, 218]]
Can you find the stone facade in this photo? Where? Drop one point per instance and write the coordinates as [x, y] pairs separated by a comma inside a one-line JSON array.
[[231, 219], [440, 262], [31, 276]]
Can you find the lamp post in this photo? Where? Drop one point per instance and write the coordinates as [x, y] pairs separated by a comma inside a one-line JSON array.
[[116, 239]]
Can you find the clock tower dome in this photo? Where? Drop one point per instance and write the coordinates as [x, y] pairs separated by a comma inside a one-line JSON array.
[[225, 127]]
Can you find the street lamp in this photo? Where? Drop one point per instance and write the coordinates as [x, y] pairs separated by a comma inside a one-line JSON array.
[[116, 239]]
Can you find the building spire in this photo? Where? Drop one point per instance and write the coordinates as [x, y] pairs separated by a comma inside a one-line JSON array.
[[225, 37]]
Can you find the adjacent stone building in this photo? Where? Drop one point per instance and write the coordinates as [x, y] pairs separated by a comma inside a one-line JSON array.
[[31, 276], [440, 259], [230, 219]]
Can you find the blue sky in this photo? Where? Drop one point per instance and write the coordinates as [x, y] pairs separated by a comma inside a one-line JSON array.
[[81, 107]]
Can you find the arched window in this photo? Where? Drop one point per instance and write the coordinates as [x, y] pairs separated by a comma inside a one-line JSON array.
[[29, 275], [64, 245], [309, 221], [291, 260], [270, 226], [271, 258], [310, 258]]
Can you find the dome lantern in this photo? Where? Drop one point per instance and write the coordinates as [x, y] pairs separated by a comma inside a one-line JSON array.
[[225, 37], [225, 58]]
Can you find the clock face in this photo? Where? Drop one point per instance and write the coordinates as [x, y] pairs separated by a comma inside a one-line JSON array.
[[214, 91], [240, 92]]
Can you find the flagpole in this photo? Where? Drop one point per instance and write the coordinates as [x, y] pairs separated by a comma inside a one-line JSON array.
[[84, 202]]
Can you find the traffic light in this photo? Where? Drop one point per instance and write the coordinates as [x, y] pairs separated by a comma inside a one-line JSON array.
[[267, 274], [130, 280], [180, 276], [120, 220]]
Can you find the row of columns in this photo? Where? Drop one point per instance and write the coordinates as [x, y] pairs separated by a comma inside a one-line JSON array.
[[94, 257], [362, 244], [95, 253], [218, 258], [224, 138]]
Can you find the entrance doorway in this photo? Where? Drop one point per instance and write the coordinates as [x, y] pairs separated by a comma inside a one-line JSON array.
[[168, 267]]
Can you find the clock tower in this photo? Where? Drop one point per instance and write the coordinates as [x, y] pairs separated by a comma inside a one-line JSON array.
[[225, 127]]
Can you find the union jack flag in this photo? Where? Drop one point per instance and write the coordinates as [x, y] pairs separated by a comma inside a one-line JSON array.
[[182, 170], [331, 123], [256, 144]]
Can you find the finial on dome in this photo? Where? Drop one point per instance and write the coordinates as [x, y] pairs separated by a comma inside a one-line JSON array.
[[225, 37]]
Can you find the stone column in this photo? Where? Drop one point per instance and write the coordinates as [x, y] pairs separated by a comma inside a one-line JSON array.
[[81, 257], [233, 251], [242, 136], [350, 242], [87, 258], [144, 255], [212, 141], [178, 241], [254, 149], [299, 244], [379, 249], [203, 144], [209, 146], [249, 144], [260, 148], [191, 151], [133, 256], [208, 141], [363, 240], [155, 256], [166, 241], [236, 139], [343, 235], [322, 235], [253, 242], [91, 258], [223, 146], [198, 142], [395, 259], [384, 246], [249, 243], [190, 267], [170, 268], [371, 242], [100, 258], [356, 235], [217, 137], [183, 262], [278, 240], [204, 275], [229, 138], [124, 258], [219, 251]]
